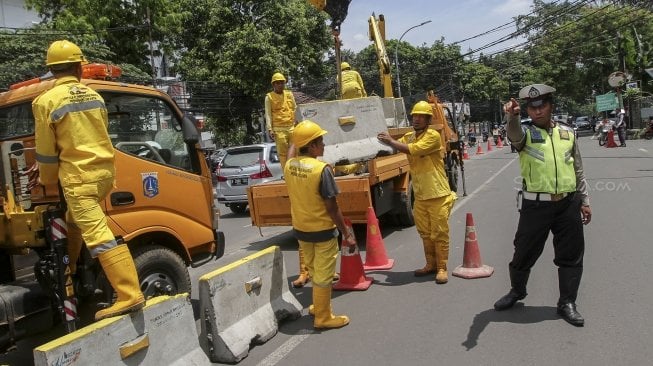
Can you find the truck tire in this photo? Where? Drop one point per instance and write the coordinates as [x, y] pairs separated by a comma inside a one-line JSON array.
[[452, 174], [238, 208], [161, 271], [404, 215]]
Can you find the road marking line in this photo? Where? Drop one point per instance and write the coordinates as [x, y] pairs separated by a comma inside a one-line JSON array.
[[281, 352], [469, 197], [643, 150], [294, 341]]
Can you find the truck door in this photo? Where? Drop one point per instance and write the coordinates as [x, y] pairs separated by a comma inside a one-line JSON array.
[[157, 183]]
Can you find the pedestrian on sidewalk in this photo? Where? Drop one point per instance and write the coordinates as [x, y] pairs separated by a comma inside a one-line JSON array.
[[621, 127], [433, 197], [554, 199], [315, 216]]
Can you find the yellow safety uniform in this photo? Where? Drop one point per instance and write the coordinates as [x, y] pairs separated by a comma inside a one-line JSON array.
[[433, 197], [280, 118], [547, 161], [310, 218], [352, 85], [73, 146]]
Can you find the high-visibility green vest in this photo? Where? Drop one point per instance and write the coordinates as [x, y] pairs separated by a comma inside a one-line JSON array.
[[547, 161]]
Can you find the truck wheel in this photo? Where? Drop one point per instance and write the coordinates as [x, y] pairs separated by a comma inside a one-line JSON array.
[[238, 208], [161, 271], [405, 211]]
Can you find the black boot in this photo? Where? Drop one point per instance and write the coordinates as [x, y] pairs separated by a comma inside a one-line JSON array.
[[518, 280], [569, 281]]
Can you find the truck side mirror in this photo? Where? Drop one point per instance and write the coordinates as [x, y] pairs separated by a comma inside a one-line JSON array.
[[189, 131]]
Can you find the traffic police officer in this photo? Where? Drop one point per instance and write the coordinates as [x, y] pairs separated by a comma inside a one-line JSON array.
[[73, 147], [315, 215], [554, 198]]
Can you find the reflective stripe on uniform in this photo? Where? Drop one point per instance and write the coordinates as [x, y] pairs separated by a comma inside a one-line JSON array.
[[47, 159], [537, 154], [76, 107]]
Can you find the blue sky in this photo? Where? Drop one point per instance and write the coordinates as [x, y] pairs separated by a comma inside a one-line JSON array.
[[453, 20]]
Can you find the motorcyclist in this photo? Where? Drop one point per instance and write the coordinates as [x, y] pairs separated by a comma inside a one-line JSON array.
[[471, 138]]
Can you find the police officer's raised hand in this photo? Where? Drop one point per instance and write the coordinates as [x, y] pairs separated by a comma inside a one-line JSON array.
[[586, 212], [512, 108]]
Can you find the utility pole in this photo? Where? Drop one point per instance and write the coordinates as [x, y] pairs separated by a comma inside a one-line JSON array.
[[149, 29]]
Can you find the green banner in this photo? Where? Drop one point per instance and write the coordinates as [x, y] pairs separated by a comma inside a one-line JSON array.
[[606, 102]]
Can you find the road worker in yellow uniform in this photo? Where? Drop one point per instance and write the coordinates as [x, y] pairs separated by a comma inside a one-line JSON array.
[[73, 148], [280, 109], [352, 83], [316, 217], [433, 197]]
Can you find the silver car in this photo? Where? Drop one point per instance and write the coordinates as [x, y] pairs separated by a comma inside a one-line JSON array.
[[243, 166]]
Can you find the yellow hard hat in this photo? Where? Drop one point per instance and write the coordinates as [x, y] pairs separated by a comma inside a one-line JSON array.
[[305, 132], [278, 77], [63, 52], [345, 66], [422, 107]]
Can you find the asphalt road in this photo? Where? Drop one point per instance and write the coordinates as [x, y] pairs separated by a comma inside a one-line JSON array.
[[405, 320]]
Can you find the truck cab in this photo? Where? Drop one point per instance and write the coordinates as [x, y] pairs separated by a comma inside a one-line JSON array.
[[162, 205]]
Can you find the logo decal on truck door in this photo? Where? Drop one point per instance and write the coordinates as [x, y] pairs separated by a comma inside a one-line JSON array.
[[150, 184]]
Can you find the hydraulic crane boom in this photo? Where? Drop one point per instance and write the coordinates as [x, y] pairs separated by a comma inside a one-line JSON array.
[[377, 36]]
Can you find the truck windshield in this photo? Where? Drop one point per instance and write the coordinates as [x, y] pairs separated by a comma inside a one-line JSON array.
[[138, 124]]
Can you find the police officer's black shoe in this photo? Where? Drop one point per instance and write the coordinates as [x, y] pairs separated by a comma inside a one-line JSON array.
[[507, 301], [568, 312]]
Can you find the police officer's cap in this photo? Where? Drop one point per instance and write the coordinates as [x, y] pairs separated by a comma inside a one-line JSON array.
[[536, 94]]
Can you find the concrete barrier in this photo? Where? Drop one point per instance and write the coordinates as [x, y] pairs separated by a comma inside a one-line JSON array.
[[163, 333], [242, 303]]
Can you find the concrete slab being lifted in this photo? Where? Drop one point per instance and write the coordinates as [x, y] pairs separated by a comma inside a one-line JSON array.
[[352, 126]]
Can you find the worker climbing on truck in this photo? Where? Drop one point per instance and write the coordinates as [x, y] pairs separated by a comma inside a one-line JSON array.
[[315, 216], [73, 147], [352, 83], [433, 197]]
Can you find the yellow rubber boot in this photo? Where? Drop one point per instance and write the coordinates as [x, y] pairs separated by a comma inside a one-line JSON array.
[[441, 259], [324, 318], [429, 254], [118, 265], [75, 243], [304, 277]]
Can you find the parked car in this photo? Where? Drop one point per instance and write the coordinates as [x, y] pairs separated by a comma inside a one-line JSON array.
[[243, 166]]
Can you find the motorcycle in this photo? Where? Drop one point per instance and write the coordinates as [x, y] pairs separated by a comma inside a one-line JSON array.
[[485, 136], [603, 134]]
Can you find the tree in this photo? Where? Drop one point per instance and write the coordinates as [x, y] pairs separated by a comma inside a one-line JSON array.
[[131, 30], [240, 44]]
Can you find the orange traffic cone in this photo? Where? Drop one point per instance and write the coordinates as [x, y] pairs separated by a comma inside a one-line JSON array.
[[489, 147], [352, 275], [376, 256], [479, 150], [465, 154], [472, 266], [611, 142], [499, 143]]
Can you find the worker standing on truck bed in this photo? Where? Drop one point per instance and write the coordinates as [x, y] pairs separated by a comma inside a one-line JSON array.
[[433, 197], [73, 147], [280, 120], [352, 83], [315, 216]]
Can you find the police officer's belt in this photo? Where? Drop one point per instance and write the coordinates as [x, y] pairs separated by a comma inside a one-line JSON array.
[[544, 196]]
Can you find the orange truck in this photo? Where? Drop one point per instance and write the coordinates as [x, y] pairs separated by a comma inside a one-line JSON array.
[[157, 156]]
